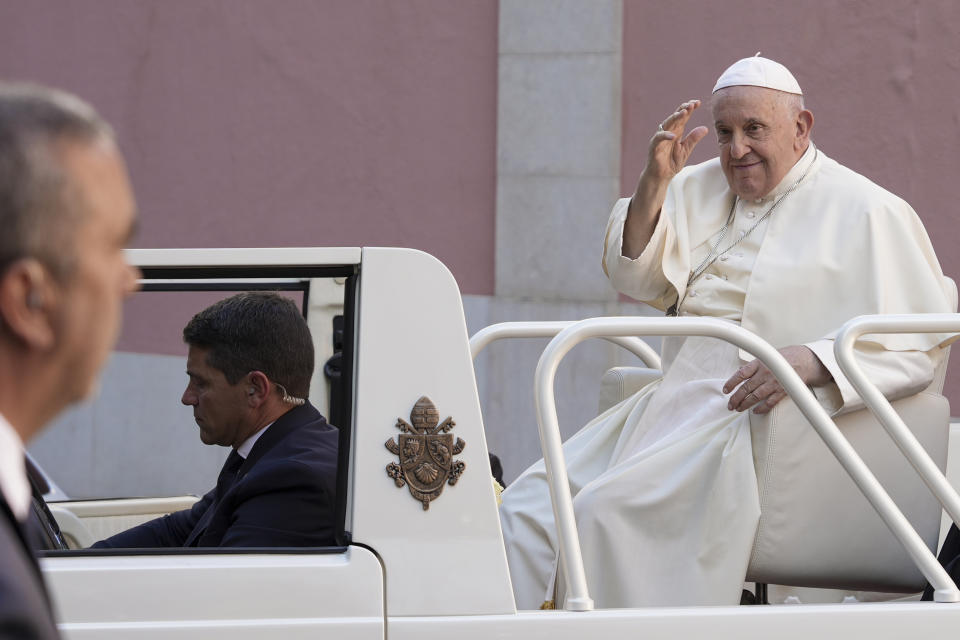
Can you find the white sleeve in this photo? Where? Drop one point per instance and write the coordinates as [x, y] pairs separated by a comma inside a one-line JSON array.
[[897, 374], [640, 278]]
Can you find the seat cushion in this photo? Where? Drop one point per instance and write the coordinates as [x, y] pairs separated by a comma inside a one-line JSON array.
[[619, 383], [817, 529]]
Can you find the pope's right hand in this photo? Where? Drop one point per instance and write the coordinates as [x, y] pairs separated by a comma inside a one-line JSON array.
[[669, 148], [668, 153]]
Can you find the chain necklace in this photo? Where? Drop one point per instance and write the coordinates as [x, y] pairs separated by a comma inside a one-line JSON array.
[[713, 256]]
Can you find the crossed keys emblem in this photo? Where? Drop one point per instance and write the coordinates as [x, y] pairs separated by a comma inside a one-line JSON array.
[[426, 451]]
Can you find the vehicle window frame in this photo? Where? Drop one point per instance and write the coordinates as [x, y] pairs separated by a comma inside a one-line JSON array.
[[265, 278]]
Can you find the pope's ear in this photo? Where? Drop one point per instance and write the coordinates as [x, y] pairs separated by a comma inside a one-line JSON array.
[[26, 292], [804, 124]]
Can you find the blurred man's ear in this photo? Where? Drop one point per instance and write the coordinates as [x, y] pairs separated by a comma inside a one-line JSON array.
[[26, 293]]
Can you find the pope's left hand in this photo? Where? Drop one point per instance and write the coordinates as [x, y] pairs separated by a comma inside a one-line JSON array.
[[757, 387]]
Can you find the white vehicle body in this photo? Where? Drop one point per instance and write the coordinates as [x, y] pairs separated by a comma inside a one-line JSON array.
[[402, 571]]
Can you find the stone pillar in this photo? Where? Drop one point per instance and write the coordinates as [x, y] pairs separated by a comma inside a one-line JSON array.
[[558, 145], [558, 174]]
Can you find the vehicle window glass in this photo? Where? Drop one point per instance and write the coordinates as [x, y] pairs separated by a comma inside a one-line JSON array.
[[134, 438]]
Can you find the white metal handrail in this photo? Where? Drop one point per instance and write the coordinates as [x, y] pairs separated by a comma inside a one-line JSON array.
[[880, 406], [571, 560], [548, 329]]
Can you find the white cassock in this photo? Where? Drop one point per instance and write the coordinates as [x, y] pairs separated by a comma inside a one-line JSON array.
[[665, 492]]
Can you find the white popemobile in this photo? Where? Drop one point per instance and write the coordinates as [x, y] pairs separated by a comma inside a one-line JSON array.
[[420, 554]]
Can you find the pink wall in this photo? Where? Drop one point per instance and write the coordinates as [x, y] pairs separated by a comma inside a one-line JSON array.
[[881, 77], [302, 122]]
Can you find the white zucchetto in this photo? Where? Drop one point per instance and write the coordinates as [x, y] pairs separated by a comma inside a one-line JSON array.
[[758, 72]]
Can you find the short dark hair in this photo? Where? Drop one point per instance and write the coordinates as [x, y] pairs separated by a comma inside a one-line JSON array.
[[38, 213], [256, 331]]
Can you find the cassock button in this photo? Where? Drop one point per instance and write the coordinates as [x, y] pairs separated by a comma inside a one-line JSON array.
[[693, 294], [751, 214], [709, 277], [724, 258]]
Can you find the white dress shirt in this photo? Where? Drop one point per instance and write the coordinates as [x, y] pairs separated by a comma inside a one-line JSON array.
[[247, 445], [13, 473]]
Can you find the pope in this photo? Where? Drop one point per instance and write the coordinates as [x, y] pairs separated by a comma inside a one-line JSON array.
[[772, 235]]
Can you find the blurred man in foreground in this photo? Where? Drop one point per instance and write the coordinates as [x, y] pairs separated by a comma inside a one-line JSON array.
[[66, 213]]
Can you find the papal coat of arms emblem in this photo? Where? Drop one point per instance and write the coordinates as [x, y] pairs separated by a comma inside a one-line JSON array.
[[426, 451]]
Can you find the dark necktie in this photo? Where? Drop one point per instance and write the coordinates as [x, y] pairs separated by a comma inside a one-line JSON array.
[[228, 475], [226, 480]]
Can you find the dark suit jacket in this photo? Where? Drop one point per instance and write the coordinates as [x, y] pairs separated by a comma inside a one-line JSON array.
[[284, 495], [25, 611], [949, 558]]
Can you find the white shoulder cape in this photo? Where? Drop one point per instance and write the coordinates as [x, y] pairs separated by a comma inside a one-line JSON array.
[[839, 246]]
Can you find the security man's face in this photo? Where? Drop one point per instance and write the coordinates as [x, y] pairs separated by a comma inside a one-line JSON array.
[[761, 137], [220, 408]]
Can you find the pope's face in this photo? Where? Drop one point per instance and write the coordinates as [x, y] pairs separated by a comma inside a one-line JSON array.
[[761, 137], [220, 408]]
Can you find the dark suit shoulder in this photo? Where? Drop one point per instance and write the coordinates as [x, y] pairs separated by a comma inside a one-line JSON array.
[[286, 490], [314, 440], [305, 459], [301, 438], [24, 610]]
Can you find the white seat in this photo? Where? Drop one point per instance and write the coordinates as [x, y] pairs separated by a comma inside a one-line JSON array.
[[816, 527], [619, 383]]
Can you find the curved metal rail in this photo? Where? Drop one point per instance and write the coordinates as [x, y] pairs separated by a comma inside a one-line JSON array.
[[880, 406], [548, 329], [571, 560]]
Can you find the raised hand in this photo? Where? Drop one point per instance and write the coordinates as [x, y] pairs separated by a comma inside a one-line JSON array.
[[669, 148], [668, 153]]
